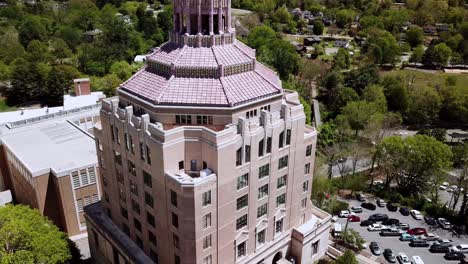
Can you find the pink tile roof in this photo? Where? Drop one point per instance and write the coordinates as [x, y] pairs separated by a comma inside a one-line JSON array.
[[194, 91], [230, 54], [146, 84]]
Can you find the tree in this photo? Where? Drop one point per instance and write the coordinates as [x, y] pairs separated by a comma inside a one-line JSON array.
[[342, 59], [122, 69], [37, 51], [60, 50], [382, 47], [412, 161], [59, 81], [357, 115], [437, 55], [361, 77], [347, 258], [415, 36], [108, 84], [28, 237], [417, 55], [32, 28], [318, 27], [396, 93], [260, 36], [285, 58], [344, 17], [375, 93], [10, 47], [4, 71]]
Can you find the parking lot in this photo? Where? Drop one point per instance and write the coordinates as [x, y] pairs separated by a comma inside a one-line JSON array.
[[394, 243]]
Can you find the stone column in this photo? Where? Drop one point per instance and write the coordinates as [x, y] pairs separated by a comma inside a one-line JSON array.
[[188, 12], [199, 17], [220, 16], [228, 16], [211, 17]]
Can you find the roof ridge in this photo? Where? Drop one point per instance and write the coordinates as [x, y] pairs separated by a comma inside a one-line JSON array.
[[163, 90], [178, 55], [263, 77], [221, 80]]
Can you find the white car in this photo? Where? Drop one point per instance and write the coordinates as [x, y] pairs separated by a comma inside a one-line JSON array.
[[381, 203], [462, 248], [429, 237], [345, 214], [403, 259], [442, 187], [444, 223], [446, 184], [416, 214], [417, 260], [376, 227]]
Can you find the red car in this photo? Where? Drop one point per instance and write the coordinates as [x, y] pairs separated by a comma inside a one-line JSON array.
[[353, 218], [417, 231]]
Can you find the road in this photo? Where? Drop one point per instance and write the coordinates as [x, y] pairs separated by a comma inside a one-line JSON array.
[[394, 243]]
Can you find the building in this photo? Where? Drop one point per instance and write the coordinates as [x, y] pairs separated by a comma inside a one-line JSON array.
[[341, 43], [204, 158], [312, 40], [49, 162]]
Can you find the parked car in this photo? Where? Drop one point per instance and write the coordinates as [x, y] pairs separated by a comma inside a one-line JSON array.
[[344, 214], [374, 247], [406, 237], [444, 223], [369, 206], [381, 203], [439, 248], [429, 237], [416, 214], [442, 187], [391, 221], [462, 248], [417, 231], [430, 220], [361, 197], [378, 217], [443, 242], [391, 207], [419, 243], [389, 256], [417, 260], [356, 209], [404, 211], [403, 259], [354, 218], [366, 223], [452, 255], [390, 232], [403, 226], [376, 227]]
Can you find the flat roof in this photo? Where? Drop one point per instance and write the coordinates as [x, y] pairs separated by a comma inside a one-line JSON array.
[[59, 146]]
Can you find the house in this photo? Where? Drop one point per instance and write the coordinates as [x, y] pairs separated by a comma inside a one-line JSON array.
[[430, 30], [442, 27], [307, 15], [312, 40], [299, 47], [125, 18], [92, 35], [140, 58], [341, 43], [296, 12]]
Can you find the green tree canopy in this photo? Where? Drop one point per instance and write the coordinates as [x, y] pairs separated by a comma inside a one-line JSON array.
[[318, 27], [415, 36], [347, 258], [30, 238]]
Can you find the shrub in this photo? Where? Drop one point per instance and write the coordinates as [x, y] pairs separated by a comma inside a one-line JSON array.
[[336, 206]]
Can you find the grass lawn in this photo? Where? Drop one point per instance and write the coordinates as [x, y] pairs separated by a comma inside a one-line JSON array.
[[4, 107], [434, 79]]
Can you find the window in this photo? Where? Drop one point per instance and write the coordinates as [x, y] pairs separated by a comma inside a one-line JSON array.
[[281, 182], [242, 202], [83, 177], [137, 224], [262, 210], [241, 250], [288, 137], [207, 220], [279, 226], [173, 198], [149, 199], [106, 197], [307, 168], [205, 165], [131, 145], [208, 260], [241, 222], [122, 195], [281, 140], [175, 240], [239, 157], [101, 162], [125, 229], [264, 171], [175, 220], [120, 177], [262, 191], [193, 165], [87, 200], [268, 146], [152, 238], [261, 237], [83, 224], [260, 148], [302, 220], [181, 165], [99, 143], [283, 162], [127, 145], [242, 181], [204, 120], [280, 200], [79, 205], [117, 135], [135, 206], [95, 198], [92, 175], [124, 212], [207, 241], [206, 198], [150, 219], [133, 188], [147, 179], [183, 119], [176, 259], [112, 132], [304, 203], [131, 167], [247, 153], [76, 180], [309, 150], [251, 113], [148, 155], [142, 151], [315, 247], [118, 157], [305, 186]]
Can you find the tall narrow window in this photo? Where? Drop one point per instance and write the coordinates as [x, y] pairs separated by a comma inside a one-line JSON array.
[[281, 140], [131, 167], [261, 238], [268, 146], [147, 179], [148, 155], [84, 177], [262, 191], [193, 165], [304, 203], [175, 220], [79, 205], [241, 222], [260, 148], [92, 175], [262, 210], [281, 182], [149, 199], [242, 181], [241, 250], [206, 198], [288, 137], [307, 168], [207, 220], [247, 153], [150, 219], [239, 157], [279, 226], [181, 165], [173, 198], [176, 241], [305, 186], [309, 151], [207, 241], [76, 180], [280, 200]]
